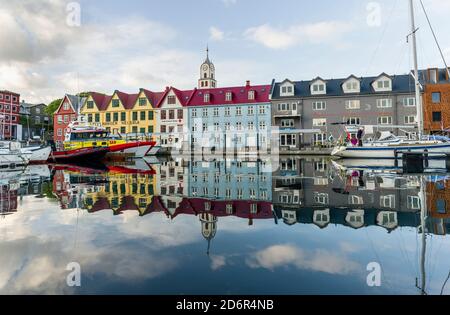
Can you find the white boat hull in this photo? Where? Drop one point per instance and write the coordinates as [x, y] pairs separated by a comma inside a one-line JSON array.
[[138, 152], [389, 152], [38, 154]]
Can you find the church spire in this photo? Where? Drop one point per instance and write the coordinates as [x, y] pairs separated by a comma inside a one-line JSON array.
[[207, 73]]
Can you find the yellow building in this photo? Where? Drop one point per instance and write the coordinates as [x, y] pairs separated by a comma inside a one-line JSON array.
[[123, 113], [123, 192]]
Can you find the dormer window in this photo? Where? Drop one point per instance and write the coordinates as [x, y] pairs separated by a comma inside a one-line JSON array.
[[206, 97], [228, 97], [383, 84], [318, 87], [352, 85], [251, 95], [287, 88]]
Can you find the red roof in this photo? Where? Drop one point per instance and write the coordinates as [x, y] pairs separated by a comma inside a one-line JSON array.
[[128, 100], [153, 97], [183, 96], [239, 95], [101, 100]]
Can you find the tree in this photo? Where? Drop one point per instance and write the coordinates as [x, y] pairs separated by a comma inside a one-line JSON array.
[[53, 106]]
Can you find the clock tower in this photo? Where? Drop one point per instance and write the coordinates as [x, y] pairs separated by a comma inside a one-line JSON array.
[[207, 74]]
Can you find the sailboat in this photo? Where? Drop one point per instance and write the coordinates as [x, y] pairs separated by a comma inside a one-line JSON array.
[[389, 146]]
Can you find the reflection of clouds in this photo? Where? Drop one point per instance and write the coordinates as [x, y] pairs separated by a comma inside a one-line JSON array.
[[217, 262], [317, 260]]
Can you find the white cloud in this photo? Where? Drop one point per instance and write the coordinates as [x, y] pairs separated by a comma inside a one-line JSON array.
[[282, 38], [289, 255], [218, 262], [216, 34], [229, 2]]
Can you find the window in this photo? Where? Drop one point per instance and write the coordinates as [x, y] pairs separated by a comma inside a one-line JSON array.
[[319, 122], [142, 101], [123, 130], [409, 102], [194, 113], [321, 198], [250, 111], [97, 118], [60, 119], [150, 129], [383, 84], [216, 127], [287, 123], [288, 140], [66, 106], [251, 95], [354, 121], [135, 116], [409, 120], [171, 114], [90, 105], [204, 127], [320, 105], [414, 202], [436, 97], [318, 88], [262, 110], [352, 86], [251, 126], [205, 112], [262, 125], [171, 100], [437, 116], [115, 116], [143, 115], [115, 103], [108, 117], [239, 126], [387, 201], [384, 103], [206, 97], [227, 126], [320, 139], [123, 116], [228, 96], [215, 112], [59, 132], [353, 104], [227, 111], [385, 120], [238, 111], [150, 115], [163, 114], [355, 200], [180, 114]]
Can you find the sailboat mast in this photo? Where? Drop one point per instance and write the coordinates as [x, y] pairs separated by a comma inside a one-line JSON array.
[[416, 72]]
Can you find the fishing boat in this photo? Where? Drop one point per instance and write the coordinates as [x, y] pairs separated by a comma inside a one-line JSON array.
[[82, 134], [389, 146], [12, 159], [81, 155], [35, 154]]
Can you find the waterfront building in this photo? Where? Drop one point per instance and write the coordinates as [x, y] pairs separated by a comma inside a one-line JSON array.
[[123, 113], [436, 101], [235, 119], [171, 115], [36, 122], [67, 112], [312, 113], [10, 127]]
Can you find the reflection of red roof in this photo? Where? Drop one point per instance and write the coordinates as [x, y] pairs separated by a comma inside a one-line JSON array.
[[127, 203], [241, 209], [155, 206], [239, 95], [100, 205]]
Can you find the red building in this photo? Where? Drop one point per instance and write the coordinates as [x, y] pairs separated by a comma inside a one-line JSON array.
[[64, 115], [9, 114]]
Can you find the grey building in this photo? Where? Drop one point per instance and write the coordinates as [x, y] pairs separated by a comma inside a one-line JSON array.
[[313, 113], [35, 121]]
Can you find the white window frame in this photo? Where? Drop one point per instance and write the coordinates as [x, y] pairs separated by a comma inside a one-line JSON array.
[[319, 122], [385, 120], [384, 103], [319, 105], [353, 104]]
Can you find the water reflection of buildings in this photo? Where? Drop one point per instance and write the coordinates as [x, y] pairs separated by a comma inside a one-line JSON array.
[[306, 191]]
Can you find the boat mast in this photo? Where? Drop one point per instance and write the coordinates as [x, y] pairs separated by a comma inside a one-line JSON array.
[[416, 72]]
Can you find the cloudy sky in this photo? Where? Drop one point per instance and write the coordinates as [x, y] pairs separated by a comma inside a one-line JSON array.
[[131, 44]]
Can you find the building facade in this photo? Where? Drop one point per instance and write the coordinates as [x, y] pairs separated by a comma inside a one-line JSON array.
[[234, 119], [312, 113], [9, 115], [436, 101], [35, 121], [67, 112]]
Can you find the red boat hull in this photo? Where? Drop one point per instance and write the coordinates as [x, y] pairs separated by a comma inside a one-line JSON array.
[[84, 155]]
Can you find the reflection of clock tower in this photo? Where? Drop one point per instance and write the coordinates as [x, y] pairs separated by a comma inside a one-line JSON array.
[[207, 74]]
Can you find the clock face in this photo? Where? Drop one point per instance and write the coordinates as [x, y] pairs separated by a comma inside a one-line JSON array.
[[205, 68]]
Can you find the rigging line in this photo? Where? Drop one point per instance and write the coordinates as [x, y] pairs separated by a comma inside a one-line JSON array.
[[445, 283], [381, 38], [435, 37]]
